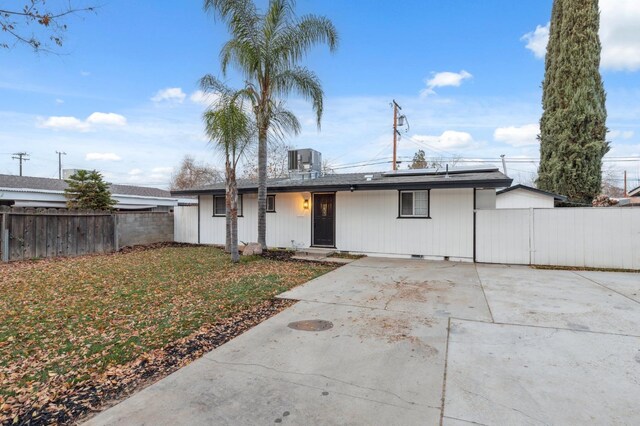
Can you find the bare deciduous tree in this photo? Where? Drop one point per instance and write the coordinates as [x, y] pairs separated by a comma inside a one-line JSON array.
[[192, 174], [277, 161], [36, 24]]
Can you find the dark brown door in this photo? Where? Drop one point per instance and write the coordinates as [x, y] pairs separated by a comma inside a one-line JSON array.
[[324, 207]]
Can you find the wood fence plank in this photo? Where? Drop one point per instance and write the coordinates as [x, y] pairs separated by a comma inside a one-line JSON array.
[[41, 236], [16, 237], [99, 233], [52, 233], [91, 233]]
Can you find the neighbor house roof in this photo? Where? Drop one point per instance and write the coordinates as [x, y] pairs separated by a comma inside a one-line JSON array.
[[487, 177], [635, 192], [534, 190], [29, 183]]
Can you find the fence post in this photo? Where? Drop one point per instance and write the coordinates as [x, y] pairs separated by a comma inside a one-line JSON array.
[[115, 232], [4, 239]]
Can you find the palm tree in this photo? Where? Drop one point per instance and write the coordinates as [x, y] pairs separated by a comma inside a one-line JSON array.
[[231, 129], [267, 49]]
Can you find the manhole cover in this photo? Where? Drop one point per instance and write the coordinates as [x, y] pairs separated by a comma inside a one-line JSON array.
[[311, 325]]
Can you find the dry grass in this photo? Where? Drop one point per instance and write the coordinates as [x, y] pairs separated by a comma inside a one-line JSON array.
[[65, 321]]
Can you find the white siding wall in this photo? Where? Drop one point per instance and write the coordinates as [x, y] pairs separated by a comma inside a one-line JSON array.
[[486, 199], [590, 237], [290, 222], [367, 221], [185, 225], [523, 199]]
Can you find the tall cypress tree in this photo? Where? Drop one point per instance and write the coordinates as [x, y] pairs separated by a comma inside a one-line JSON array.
[[573, 124]]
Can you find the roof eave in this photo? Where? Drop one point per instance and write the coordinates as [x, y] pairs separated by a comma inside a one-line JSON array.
[[362, 186]]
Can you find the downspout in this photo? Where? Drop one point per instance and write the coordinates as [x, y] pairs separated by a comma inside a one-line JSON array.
[[198, 219]]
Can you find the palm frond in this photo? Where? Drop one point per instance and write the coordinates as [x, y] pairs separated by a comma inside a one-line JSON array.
[[303, 82], [229, 124], [295, 41], [284, 122], [241, 16], [243, 55]]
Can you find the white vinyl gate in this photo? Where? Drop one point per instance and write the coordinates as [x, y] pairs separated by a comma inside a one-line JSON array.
[[587, 237], [185, 228]]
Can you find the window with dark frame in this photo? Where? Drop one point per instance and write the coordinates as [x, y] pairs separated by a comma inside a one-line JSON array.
[[271, 203], [220, 207], [414, 204]]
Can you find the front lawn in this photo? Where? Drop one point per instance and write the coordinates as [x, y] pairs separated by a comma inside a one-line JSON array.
[[66, 321]]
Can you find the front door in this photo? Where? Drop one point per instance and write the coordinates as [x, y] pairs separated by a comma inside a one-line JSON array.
[[324, 208]]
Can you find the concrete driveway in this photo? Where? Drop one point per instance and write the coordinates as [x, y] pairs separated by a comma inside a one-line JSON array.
[[425, 343]]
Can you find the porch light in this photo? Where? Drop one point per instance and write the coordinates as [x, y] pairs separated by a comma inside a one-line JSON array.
[[305, 204]]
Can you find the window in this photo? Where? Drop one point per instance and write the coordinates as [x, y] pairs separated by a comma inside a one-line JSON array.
[[414, 204], [220, 207], [271, 203]]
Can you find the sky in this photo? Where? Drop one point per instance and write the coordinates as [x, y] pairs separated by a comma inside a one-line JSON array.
[[121, 95]]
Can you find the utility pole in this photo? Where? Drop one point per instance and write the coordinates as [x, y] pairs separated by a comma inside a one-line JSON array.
[[504, 165], [20, 156], [626, 194], [396, 107], [60, 154]]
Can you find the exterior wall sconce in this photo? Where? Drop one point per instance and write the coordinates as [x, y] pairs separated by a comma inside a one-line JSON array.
[[305, 204]]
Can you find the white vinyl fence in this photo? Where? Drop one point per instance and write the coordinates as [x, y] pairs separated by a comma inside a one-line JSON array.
[[589, 237], [185, 228]]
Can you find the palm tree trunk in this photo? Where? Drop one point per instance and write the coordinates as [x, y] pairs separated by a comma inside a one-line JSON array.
[[227, 203], [233, 195], [262, 185]]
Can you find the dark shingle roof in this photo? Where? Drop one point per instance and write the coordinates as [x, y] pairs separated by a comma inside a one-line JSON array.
[[487, 178], [46, 184], [535, 190]]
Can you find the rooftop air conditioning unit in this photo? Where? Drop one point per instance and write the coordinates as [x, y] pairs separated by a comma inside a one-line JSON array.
[[305, 163]]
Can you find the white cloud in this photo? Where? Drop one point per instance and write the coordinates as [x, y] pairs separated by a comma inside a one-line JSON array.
[[135, 172], [75, 124], [203, 98], [171, 94], [537, 40], [618, 33], [102, 156], [65, 123], [107, 119], [59, 101], [162, 170], [620, 134], [526, 135], [444, 79], [85, 73], [449, 139]]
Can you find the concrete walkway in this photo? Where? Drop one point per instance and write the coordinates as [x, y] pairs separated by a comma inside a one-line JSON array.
[[425, 343]]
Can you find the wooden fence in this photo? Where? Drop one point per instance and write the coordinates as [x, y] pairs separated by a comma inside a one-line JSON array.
[[39, 233]]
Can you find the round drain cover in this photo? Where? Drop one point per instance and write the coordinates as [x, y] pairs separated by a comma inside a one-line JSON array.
[[311, 325]]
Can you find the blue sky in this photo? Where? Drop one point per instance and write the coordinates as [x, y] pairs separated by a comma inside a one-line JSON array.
[[122, 97]]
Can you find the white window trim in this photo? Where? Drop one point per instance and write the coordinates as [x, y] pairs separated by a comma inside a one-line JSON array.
[[414, 216]]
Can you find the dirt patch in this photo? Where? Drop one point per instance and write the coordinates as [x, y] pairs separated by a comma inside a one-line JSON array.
[[395, 330], [419, 291], [117, 383]]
